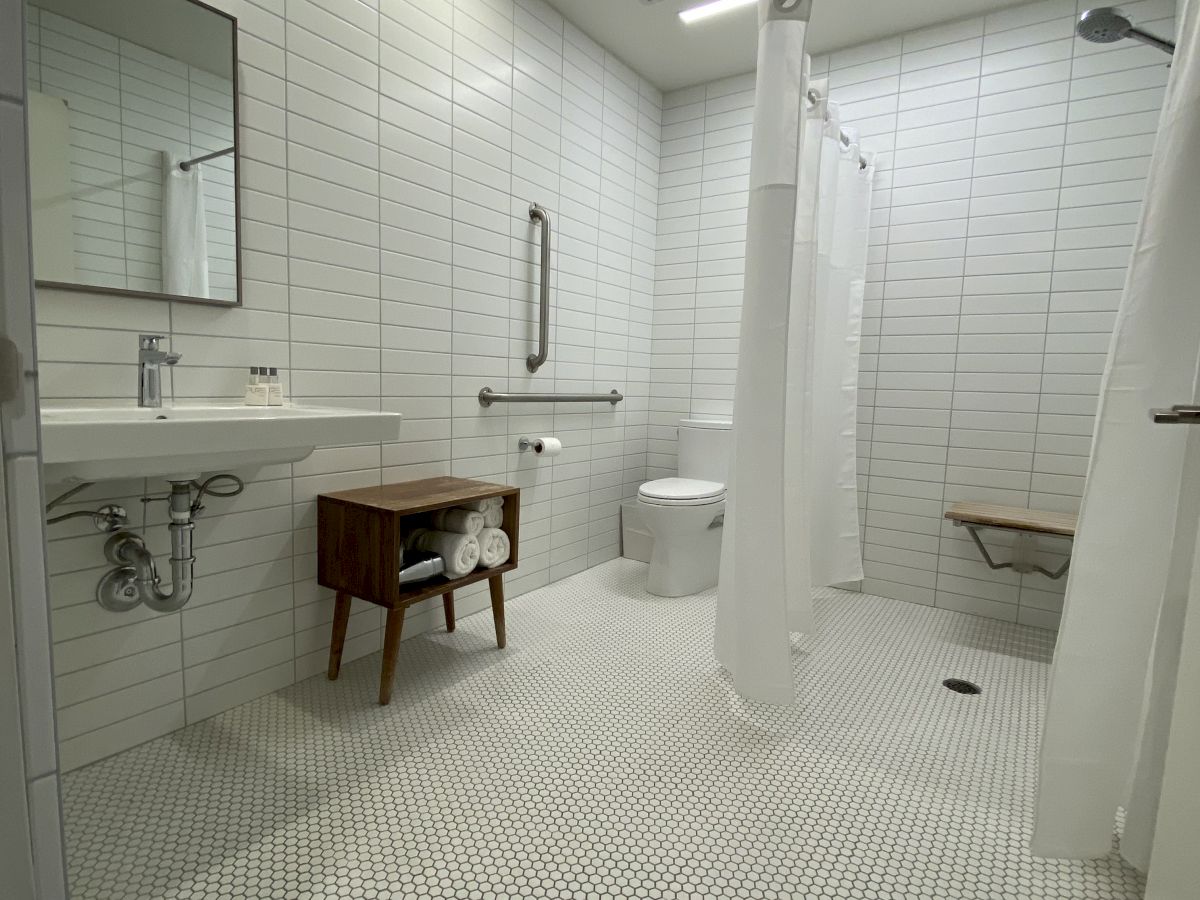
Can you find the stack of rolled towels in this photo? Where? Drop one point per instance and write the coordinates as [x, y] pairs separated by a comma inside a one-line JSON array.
[[466, 537]]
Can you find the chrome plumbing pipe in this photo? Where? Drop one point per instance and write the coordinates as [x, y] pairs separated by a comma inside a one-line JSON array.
[[136, 580]]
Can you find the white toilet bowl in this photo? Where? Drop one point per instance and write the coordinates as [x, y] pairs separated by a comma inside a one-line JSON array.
[[685, 516]]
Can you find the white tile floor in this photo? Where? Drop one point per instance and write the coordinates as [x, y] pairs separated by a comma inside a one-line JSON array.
[[603, 754]]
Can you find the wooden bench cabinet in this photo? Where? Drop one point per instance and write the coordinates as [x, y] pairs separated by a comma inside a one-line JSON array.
[[360, 536]]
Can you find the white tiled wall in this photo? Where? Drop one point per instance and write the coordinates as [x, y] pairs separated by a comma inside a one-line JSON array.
[[390, 152], [1011, 163], [31, 846], [126, 103]]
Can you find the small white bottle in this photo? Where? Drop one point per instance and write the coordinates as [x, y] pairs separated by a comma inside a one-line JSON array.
[[274, 388], [257, 389]]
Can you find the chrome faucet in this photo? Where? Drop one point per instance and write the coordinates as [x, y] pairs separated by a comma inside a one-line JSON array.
[[150, 362]]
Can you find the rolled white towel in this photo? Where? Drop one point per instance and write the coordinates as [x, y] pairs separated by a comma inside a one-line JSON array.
[[494, 548], [485, 503], [460, 521], [459, 552], [494, 515], [410, 540]]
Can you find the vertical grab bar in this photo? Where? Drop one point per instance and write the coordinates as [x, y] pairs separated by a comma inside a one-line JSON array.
[[535, 360]]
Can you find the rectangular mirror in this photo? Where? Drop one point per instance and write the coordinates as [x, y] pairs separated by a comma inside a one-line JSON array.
[[133, 148]]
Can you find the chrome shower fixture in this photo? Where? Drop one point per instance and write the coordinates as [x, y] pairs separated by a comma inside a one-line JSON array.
[[1107, 24]]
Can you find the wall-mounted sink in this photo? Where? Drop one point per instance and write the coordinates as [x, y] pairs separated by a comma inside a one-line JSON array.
[[97, 443]]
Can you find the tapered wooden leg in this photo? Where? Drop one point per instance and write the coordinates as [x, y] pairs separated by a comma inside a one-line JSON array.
[[391, 646], [496, 586], [341, 618], [448, 606]]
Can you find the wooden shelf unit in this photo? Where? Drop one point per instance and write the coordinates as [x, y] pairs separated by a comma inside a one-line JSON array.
[[360, 536]]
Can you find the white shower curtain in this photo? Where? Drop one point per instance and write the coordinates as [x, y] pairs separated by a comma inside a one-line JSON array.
[[791, 519], [844, 211], [1114, 668], [184, 236]]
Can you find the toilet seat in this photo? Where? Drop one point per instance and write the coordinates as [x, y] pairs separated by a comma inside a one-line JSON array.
[[681, 492]]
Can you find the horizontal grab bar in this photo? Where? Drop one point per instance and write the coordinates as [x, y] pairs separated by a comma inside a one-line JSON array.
[[487, 397]]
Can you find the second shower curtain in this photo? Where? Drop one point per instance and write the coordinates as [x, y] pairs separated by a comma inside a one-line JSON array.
[[1135, 571], [791, 521]]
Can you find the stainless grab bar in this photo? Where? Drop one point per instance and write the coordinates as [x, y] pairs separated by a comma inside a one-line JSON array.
[[487, 397], [535, 360], [1179, 414]]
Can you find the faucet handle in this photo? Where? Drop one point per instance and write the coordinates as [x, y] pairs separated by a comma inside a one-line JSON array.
[[149, 341]]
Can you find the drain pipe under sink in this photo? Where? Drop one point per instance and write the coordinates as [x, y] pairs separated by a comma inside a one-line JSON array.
[[136, 580]]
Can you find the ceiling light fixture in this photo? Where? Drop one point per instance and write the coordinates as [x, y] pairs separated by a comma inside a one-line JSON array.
[[712, 8]]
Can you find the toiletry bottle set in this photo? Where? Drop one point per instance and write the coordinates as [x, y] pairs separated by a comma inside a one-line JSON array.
[[264, 388]]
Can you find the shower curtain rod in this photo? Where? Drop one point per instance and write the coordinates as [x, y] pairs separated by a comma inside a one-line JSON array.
[[187, 164], [814, 98]]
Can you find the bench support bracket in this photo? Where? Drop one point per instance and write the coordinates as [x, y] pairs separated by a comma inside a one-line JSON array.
[[973, 530]]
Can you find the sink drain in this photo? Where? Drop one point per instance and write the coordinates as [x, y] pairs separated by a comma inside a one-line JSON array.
[[959, 686]]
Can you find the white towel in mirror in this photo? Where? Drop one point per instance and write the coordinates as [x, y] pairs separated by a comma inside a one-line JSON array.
[[184, 237]]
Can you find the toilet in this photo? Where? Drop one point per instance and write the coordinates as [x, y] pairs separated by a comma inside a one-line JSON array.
[[685, 514]]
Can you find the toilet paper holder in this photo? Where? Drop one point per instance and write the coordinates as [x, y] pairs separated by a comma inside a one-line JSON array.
[[551, 446]]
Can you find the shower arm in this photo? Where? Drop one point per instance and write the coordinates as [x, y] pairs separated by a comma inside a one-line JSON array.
[[1107, 25], [1151, 40]]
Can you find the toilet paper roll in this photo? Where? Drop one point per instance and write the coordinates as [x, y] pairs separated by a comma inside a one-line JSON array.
[[546, 446]]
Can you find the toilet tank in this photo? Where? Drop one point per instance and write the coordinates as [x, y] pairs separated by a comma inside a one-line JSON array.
[[704, 449]]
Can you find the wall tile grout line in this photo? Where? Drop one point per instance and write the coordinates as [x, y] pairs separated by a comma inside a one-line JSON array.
[[958, 314], [1046, 328]]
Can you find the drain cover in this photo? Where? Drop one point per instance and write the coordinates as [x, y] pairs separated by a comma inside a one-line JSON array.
[[961, 687]]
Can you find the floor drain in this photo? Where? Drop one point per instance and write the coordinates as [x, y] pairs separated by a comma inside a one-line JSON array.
[[961, 687]]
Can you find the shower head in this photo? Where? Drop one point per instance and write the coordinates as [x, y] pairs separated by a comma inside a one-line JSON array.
[[1106, 24], [1103, 25]]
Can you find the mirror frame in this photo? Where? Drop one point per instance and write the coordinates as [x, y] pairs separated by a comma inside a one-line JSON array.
[[237, 208]]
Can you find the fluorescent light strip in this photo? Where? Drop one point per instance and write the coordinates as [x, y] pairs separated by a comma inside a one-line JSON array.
[[713, 8]]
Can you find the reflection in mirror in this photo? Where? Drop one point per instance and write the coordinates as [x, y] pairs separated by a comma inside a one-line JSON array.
[[132, 139]]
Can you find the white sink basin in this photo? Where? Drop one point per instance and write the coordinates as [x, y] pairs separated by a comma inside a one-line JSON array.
[[97, 443]]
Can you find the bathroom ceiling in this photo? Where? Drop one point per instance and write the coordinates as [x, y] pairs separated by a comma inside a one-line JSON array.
[[648, 35]]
